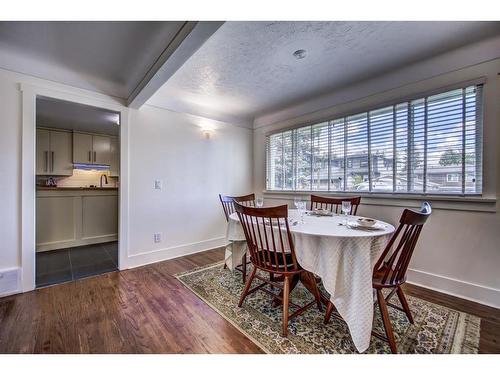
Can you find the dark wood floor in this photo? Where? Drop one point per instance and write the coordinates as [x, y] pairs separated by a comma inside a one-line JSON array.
[[146, 310]]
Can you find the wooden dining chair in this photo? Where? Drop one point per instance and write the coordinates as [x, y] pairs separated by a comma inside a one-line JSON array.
[[334, 204], [390, 270], [228, 203], [228, 207], [272, 251]]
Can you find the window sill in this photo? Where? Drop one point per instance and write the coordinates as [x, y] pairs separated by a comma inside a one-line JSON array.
[[460, 203]]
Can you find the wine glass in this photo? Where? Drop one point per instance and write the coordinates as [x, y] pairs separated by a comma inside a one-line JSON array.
[[346, 209], [296, 201], [302, 208], [259, 202]]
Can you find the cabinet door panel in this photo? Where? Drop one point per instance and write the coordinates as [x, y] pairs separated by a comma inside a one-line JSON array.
[[61, 152], [102, 149], [114, 167], [55, 220], [82, 148], [42, 151], [99, 215]]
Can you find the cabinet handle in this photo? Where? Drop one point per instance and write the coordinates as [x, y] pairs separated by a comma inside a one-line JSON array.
[[90, 156], [52, 169], [95, 156], [46, 161]]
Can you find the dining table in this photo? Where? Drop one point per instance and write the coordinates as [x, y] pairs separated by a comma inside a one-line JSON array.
[[337, 250]]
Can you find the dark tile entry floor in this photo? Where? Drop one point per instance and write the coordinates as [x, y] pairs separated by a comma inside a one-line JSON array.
[[58, 266]]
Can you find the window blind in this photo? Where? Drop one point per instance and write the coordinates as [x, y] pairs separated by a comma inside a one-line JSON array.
[[430, 145]]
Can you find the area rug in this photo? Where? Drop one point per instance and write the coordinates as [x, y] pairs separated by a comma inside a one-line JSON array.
[[437, 329]]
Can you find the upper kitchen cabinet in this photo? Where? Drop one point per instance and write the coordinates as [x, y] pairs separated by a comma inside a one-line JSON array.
[[82, 148], [102, 149], [114, 167], [53, 153], [91, 149], [42, 151]]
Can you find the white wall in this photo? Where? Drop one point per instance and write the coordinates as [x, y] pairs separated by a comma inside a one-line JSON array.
[[10, 170], [163, 145], [459, 250], [171, 147]]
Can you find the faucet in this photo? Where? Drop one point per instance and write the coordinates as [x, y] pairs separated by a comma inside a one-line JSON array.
[[105, 179]]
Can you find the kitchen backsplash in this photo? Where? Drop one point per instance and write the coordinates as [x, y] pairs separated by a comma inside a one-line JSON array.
[[81, 178]]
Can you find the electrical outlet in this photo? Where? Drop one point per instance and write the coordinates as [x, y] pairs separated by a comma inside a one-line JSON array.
[[157, 237], [158, 184]]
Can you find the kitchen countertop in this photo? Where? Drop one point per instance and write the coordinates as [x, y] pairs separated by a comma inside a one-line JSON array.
[[74, 188]]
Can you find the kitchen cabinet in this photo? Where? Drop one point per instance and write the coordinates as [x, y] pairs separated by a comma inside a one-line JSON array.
[[42, 151], [101, 145], [91, 149], [114, 167], [53, 153], [75, 217], [82, 148]]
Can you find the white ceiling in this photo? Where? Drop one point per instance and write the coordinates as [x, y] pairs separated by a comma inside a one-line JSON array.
[[60, 114], [107, 57], [247, 69]]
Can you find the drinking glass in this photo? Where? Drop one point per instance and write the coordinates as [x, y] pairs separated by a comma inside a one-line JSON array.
[[302, 208], [259, 202], [346, 209], [296, 201]]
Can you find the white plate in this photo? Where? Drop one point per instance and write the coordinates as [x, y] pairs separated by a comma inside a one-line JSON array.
[[356, 225]]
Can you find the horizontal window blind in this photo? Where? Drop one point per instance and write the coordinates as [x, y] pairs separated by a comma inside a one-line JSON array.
[[431, 145]]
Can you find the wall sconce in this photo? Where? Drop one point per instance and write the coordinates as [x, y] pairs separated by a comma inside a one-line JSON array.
[[207, 130]]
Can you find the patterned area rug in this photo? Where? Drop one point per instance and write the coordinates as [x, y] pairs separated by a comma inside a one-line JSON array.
[[437, 329]]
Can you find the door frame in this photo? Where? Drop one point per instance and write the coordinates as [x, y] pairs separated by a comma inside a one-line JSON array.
[[29, 94]]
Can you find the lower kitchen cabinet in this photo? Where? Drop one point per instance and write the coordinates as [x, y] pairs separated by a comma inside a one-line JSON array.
[[74, 217]]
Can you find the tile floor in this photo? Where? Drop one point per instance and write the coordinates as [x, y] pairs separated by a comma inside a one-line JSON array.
[[58, 266]]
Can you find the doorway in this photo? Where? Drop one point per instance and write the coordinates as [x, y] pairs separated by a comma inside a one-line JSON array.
[[77, 174]]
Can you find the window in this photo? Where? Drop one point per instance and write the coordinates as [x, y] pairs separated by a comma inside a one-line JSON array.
[[430, 145]]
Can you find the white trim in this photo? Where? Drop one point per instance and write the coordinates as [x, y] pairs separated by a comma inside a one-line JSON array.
[[28, 194], [54, 245], [482, 294], [472, 203], [159, 255]]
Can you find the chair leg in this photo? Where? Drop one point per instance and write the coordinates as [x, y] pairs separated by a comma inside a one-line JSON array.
[[244, 267], [329, 310], [225, 266], [247, 287], [404, 303], [286, 295], [313, 288], [387, 323]]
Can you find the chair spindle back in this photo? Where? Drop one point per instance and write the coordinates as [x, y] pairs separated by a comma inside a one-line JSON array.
[[269, 238], [334, 204], [228, 203], [392, 265]]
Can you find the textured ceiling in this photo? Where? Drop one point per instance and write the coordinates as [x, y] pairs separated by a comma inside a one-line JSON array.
[[67, 115], [108, 57], [248, 69]]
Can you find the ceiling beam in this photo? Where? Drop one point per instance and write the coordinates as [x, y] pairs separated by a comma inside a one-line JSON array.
[[186, 42]]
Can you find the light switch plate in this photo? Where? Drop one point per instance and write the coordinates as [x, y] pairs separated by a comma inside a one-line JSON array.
[[158, 184]]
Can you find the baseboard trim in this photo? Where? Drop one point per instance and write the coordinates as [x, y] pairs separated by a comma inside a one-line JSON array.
[[159, 255], [47, 246], [10, 281], [473, 292]]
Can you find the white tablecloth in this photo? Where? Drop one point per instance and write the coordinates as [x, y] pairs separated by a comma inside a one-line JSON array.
[[344, 259]]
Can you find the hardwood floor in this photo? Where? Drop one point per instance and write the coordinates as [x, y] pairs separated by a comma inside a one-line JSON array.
[[146, 310]]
